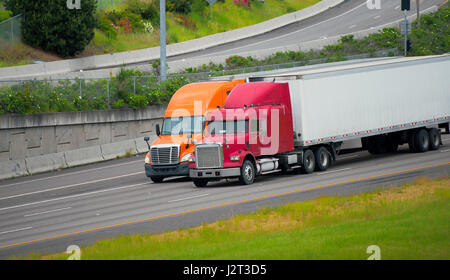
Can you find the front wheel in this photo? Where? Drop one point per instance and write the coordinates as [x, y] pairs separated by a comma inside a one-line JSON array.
[[157, 179], [247, 173], [200, 183]]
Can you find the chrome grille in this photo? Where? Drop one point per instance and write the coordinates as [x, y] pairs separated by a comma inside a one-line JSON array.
[[164, 155], [209, 156]]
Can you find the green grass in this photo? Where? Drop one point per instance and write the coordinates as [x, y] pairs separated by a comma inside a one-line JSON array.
[[226, 16], [407, 222]]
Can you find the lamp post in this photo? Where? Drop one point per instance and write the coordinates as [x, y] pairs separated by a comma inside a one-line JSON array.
[[162, 44]]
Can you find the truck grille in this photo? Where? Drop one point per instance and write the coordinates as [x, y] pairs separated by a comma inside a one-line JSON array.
[[164, 155], [209, 156]]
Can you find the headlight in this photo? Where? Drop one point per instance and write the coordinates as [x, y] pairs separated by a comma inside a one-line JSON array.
[[147, 159], [186, 157], [235, 158]]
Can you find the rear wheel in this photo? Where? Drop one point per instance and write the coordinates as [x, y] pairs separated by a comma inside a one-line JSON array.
[[200, 183], [247, 173], [422, 140], [157, 179], [309, 162], [323, 159], [435, 139]]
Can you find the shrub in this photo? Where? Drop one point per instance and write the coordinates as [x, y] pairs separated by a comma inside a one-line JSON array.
[[106, 26], [5, 14], [51, 26]]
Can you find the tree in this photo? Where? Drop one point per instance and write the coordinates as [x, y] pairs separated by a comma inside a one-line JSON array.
[[52, 26]]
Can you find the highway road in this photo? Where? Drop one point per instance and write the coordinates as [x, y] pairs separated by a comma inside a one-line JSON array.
[[48, 212], [350, 16]]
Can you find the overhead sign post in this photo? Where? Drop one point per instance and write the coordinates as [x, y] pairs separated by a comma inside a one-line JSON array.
[[162, 42], [211, 3]]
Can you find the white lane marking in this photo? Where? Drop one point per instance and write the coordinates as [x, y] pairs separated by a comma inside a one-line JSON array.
[[71, 196], [46, 212], [69, 186], [445, 140], [191, 197], [289, 34], [15, 230], [68, 174], [445, 151], [352, 26], [346, 157], [332, 171], [376, 17], [397, 7]]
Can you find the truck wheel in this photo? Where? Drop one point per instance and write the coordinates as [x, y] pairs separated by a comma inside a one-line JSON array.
[[422, 140], [435, 139], [247, 173], [322, 159], [200, 183], [309, 162], [157, 179], [412, 142]]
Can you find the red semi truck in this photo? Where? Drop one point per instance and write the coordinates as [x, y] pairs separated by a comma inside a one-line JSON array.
[[303, 120]]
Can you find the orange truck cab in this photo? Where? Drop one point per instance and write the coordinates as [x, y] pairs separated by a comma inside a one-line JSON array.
[[183, 125]]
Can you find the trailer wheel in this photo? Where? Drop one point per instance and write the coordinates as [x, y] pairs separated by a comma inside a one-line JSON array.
[[322, 159], [157, 179], [435, 139], [422, 140], [247, 173], [200, 183], [412, 142], [309, 162]]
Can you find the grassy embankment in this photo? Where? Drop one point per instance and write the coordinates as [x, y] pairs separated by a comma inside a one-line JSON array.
[[180, 27], [407, 222]]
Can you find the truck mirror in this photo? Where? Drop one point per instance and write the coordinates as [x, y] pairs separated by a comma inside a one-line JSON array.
[[158, 130], [146, 138]]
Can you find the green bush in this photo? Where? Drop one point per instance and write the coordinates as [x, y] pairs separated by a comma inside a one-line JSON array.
[[147, 10], [51, 26], [5, 14], [106, 26]]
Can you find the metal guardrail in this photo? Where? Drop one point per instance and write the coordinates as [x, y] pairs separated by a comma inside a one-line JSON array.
[[111, 90], [11, 31]]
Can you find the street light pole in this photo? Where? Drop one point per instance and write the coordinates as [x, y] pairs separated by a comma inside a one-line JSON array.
[[162, 44], [418, 14]]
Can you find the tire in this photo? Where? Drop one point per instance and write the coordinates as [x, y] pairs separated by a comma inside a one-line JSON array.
[[157, 179], [422, 140], [323, 159], [412, 142], [435, 139], [309, 162], [248, 173], [200, 183]]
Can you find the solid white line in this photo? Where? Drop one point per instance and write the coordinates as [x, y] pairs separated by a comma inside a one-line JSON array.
[[15, 230], [297, 31], [69, 186], [68, 174], [191, 197], [332, 171], [71, 196], [445, 151], [46, 212]]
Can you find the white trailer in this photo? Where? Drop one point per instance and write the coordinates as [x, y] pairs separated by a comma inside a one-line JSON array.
[[384, 103]]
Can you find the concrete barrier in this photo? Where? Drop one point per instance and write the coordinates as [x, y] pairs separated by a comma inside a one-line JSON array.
[[14, 168], [118, 149], [83, 156], [45, 163]]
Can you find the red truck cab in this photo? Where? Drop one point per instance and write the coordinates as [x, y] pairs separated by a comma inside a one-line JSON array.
[[243, 137]]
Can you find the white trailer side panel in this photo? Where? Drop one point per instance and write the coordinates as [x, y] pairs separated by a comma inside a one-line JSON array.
[[353, 102]]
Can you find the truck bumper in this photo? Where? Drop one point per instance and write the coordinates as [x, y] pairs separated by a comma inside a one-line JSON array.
[[181, 169], [215, 173]]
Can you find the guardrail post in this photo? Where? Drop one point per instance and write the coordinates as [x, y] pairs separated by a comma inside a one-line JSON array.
[[107, 93]]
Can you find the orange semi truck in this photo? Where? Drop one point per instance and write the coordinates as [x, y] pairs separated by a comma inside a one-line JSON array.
[[183, 125]]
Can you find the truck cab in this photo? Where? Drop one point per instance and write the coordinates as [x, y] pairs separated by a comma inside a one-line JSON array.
[[182, 126], [243, 138]]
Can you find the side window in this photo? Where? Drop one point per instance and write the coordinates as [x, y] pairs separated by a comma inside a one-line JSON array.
[[254, 125], [263, 127]]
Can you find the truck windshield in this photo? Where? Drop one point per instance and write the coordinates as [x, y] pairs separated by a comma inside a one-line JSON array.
[[183, 125], [228, 127]]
